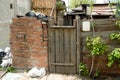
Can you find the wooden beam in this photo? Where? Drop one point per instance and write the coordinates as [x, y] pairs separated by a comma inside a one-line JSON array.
[[63, 64], [78, 42], [62, 26]]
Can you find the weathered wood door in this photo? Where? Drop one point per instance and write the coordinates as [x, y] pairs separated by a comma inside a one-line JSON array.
[[62, 49]]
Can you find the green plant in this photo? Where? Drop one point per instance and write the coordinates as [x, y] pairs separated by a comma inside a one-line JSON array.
[[60, 6], [96, 46], [96, 74], [115, 36], [11, 69], [8, 69], [118, 23], [114, 56], [74, 3], [83, 69]]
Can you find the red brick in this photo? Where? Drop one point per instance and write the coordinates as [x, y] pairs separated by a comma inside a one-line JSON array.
[[33, 51]]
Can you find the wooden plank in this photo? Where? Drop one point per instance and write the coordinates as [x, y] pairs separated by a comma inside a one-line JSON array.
[[61, 46], [106, 40], [103, 21], [52, 53], [78, 42], [63, 64], [57, 43], [106, 28], [62, 27], [67, 48], [51, 47], [98, 33], [105, 25], [73, 50], [111, 47], [60, 69]]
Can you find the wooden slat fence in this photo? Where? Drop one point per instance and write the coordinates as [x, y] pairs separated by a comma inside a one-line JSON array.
[[67, 46], [103, 28], [62, 49]]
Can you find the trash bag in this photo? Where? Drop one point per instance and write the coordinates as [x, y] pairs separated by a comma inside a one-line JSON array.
[[2, 54], [6, 62], [7, 58], [30, 14], [39, 16], [35, 72], [43, 18], [8, 53]]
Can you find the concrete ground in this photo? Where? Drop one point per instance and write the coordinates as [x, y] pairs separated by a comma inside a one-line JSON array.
[[24, 76]]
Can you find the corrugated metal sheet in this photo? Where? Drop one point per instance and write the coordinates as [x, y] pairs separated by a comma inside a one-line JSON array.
[[101, 10]]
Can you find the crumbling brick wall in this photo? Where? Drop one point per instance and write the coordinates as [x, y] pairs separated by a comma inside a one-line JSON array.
[[28, 42]]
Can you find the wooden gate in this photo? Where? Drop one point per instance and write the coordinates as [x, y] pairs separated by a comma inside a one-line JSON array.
[[63, 49]]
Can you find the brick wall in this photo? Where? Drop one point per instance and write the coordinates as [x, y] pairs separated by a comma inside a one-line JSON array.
[[28, 42]]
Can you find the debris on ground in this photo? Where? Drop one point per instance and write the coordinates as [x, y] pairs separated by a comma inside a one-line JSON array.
[[6, 57], [35, 72]]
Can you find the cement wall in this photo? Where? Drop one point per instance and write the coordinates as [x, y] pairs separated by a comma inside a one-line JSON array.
[[19, 7], [4, 35], [5, 11], [23, 6], [6, 14]]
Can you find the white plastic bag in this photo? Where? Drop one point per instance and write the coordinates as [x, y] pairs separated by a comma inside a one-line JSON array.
[[42, 72], [8, 53], [35, 72], [4, 63], [1, 50], [7, 59]]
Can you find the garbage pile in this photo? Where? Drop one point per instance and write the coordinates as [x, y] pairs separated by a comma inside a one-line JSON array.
[[33, 74], [38, 74], [5, 57], [38, 15]]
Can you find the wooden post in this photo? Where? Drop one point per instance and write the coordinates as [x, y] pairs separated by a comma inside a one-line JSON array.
[[78, 42], [60, 22], [50, 44]]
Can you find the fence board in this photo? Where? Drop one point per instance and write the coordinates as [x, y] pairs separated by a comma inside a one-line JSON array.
[[103, 28], [78, 42], [73, 50], [51, 47], [57, 49], [69, 45], [67, 48]]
